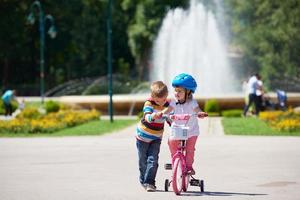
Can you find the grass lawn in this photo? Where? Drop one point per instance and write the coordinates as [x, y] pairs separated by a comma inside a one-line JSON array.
[[251, 126], [98, 127]]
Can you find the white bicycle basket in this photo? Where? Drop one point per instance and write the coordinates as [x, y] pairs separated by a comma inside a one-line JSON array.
[[179, 132]]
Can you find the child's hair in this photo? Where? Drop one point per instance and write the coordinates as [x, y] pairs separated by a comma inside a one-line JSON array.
[[158, 89], [189, 94]]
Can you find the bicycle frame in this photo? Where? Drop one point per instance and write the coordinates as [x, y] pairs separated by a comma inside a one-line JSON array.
[[180, 176]]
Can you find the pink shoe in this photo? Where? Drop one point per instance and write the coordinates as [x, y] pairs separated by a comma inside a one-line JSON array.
[[191, 171]]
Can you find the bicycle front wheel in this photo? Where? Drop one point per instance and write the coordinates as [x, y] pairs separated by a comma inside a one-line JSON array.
[[178, 176]]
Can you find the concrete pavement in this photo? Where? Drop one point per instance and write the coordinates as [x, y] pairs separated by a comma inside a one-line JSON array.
[[105, 167]]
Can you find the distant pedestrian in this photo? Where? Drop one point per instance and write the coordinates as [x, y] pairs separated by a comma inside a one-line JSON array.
[[252, 97], [7, 98], [259, 93], [282, 99]]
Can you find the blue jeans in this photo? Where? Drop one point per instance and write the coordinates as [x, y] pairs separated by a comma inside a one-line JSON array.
[[252, 99], [148, 160]]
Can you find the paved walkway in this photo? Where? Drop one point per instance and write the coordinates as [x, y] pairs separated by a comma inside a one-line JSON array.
[[105, 167]]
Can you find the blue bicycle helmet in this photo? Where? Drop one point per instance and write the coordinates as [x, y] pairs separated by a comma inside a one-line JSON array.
[[186, 81]]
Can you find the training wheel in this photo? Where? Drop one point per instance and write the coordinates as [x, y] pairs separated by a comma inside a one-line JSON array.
[[167, 185], [202, 186]]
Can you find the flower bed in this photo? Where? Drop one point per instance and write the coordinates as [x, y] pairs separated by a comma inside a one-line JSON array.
[[284, 121], [31, 121]]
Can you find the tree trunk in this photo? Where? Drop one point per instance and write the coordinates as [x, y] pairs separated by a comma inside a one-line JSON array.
[[143, 65]]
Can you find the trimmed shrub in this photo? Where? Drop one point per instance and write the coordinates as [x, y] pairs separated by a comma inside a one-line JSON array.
[[29, 113], [52, 106], [232, 113], [212, 106]]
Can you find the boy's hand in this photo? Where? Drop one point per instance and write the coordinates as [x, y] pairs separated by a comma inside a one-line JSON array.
[[202, 114], [180, 117], [156, 115]]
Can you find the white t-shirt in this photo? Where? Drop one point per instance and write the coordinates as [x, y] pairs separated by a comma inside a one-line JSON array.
[[187, 108], [259, 91], [252, 85]]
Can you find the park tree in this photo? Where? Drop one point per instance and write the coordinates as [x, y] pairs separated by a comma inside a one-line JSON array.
[[145, 20], [268, 33], [79, 49]]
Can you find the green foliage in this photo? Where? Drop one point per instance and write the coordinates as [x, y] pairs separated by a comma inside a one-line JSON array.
[[124, 67], [2, 111], [145, 18], [52, 106], [29, 121], [95, 127], [79, 50], [211, 106], [232, 113], [29, 113], [251, 126], [140, 115], [122, 84], [213, 114], [268, 33], [2, 108], [15, 105]]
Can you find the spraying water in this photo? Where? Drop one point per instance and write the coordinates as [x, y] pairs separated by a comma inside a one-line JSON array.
[[189, 41]]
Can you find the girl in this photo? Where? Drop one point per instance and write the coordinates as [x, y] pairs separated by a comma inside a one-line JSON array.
[[185, 85]]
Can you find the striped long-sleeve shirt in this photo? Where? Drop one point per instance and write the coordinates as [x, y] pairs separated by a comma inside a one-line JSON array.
[[149, 129]]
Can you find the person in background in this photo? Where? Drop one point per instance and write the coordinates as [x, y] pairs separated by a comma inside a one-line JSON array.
[[282, 99], [259, 93], [7, 99], [252, 87]]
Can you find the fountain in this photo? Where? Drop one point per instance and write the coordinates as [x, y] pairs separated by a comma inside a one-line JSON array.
[[189, 41]]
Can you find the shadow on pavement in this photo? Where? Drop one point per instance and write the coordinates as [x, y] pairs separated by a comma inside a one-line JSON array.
[[208, 193]]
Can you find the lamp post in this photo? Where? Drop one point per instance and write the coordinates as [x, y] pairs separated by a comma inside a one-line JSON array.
[[109, 60], [51, 32]]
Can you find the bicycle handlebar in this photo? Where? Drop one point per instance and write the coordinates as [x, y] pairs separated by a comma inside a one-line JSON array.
[[180, 116]]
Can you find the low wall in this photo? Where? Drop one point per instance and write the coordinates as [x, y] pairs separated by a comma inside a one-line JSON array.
[[132, 104]]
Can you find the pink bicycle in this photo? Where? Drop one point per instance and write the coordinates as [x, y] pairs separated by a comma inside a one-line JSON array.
[[181, 179]]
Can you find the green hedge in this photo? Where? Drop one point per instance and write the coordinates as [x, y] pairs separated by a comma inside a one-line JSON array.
[[212, 107], [232, 113]]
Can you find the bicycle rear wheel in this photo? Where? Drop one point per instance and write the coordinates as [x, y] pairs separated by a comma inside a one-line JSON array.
[[178, 176], [185, 182]]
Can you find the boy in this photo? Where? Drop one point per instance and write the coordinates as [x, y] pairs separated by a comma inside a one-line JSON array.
[[149, 134]]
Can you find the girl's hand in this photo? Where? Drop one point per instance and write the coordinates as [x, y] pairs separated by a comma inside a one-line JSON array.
[[202, 114]]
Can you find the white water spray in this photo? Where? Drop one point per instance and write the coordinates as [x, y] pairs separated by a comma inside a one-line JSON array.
[[189, 42]]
